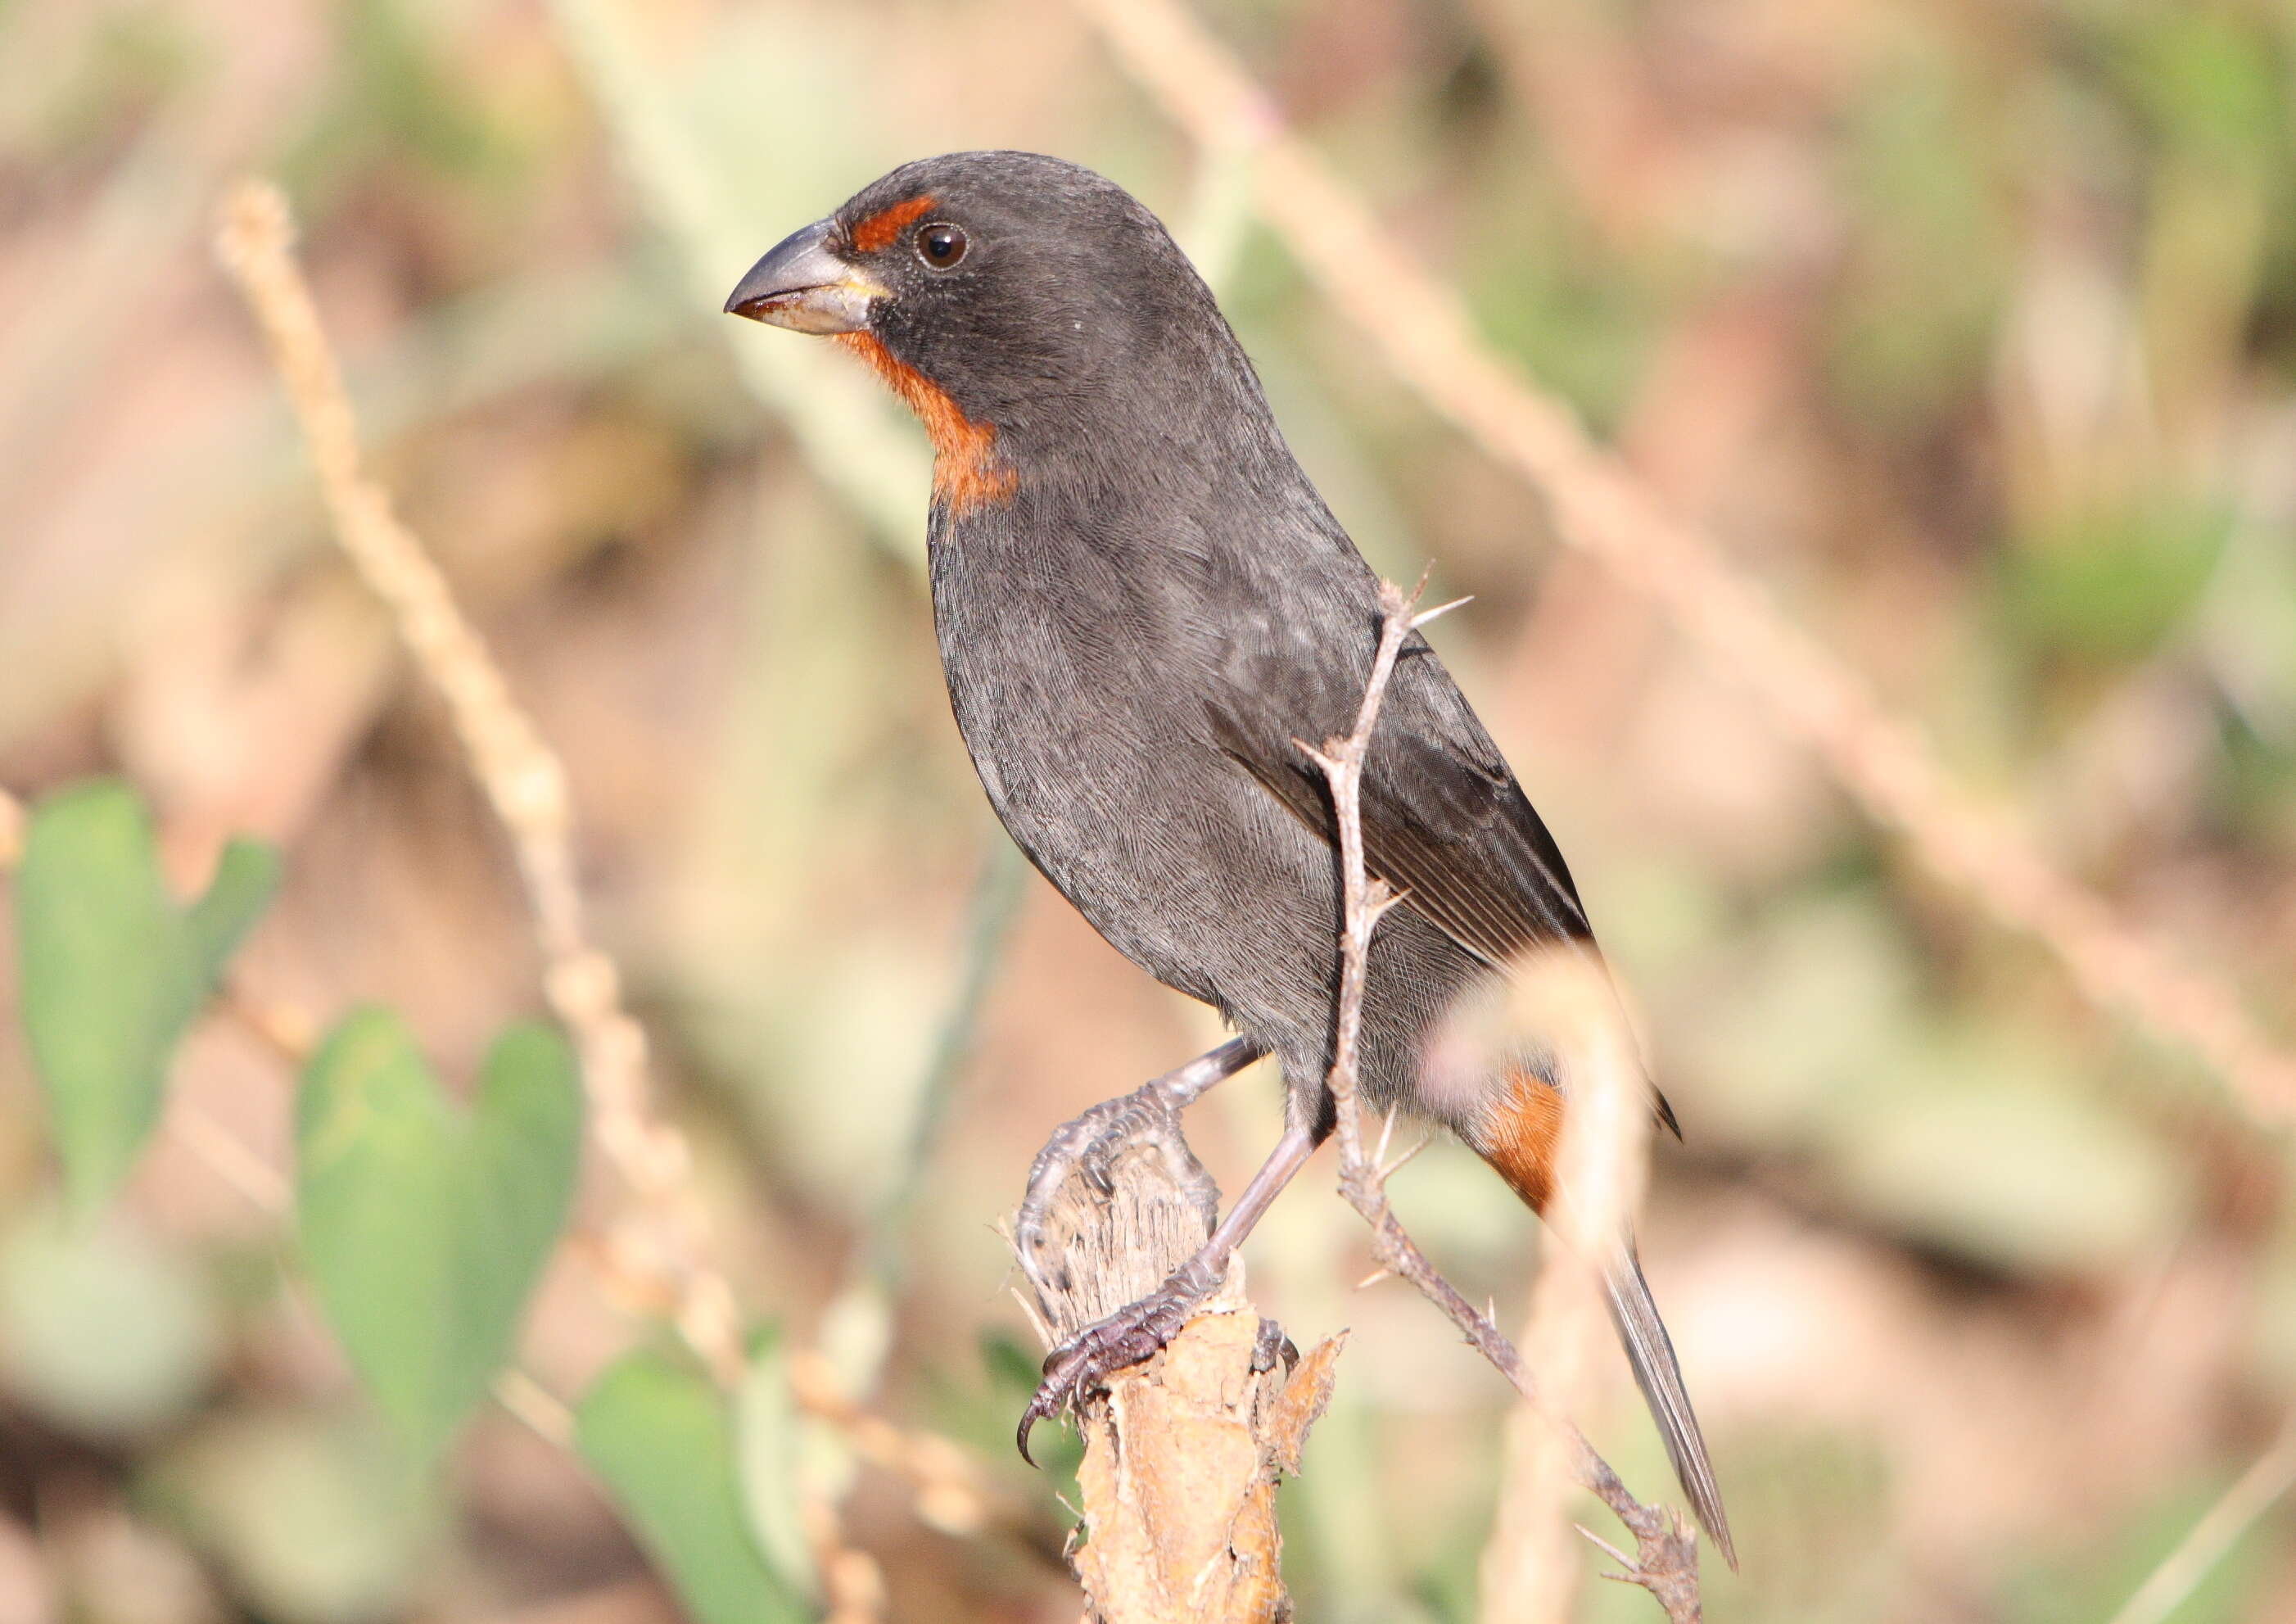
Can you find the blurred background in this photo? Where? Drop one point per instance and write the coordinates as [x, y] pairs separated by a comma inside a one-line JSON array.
[[1971, 331]]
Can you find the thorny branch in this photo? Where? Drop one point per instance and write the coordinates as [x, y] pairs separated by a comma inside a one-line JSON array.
[[1666, 1562]]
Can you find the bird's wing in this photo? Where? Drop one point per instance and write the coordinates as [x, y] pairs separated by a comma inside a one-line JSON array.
[[1444, 821]]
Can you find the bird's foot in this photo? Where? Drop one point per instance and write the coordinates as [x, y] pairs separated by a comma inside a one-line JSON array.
[[1089, 1147], [1137, 1331]]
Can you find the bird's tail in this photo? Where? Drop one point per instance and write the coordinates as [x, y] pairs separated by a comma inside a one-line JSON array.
[[1651, 1351]]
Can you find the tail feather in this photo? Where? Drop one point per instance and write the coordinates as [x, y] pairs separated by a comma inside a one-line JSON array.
[[1651, 1351]]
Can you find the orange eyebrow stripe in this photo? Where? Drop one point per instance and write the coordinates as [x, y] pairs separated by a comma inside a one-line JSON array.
[[966, 470], [878, 229]]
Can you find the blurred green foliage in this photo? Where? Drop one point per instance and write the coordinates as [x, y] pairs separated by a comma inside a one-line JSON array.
[[311, 1512], [2106, 589], [68, 1290], [424, 1231], [1972, 332], [656, 1431], [113, 969], [770, 1439], [423, 1227]]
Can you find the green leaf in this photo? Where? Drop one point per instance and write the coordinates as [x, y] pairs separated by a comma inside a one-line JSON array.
[[524, 1158], [661, 1437], [113, 971], [246, 879], [425, 1228], [770, 1436]]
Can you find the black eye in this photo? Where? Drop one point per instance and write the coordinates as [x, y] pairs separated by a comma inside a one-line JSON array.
[[941, 244]]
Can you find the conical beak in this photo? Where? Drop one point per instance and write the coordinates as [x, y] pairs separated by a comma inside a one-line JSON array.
[[804, 286]]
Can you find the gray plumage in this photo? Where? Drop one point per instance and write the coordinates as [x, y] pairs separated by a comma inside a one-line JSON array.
[[1142, 606]]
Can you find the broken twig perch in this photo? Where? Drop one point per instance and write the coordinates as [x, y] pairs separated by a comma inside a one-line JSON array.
[[1182, 1453]]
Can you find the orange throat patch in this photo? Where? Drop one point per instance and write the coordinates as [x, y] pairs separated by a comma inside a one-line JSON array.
[[967, 471], [1520, 1137]]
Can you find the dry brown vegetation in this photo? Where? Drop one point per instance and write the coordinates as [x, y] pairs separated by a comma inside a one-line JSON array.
[[1966, 338]]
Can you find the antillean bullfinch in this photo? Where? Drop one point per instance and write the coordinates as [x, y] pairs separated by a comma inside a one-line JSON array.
[[1142, 606]]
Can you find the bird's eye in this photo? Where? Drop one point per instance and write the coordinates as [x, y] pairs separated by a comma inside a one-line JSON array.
[[941, 244]]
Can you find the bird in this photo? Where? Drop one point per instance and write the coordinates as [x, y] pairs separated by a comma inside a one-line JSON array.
[[1143, 605]]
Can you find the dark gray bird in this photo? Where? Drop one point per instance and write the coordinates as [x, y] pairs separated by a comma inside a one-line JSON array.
[[1141, 604]]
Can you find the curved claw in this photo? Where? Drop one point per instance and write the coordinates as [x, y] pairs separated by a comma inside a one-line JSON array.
[[1086, 1358], [1270, 1345], [1065, 1367], [1130, 1336], [1037, 1410]]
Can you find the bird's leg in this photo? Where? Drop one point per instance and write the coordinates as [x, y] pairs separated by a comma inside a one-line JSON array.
[[1149, 1114], [1083, 1363]]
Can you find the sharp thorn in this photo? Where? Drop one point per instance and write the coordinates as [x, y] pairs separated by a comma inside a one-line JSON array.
[[1403, 1161], [1605, 1546]]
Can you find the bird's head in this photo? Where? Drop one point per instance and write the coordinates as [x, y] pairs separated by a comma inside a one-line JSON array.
[[1016, 301]]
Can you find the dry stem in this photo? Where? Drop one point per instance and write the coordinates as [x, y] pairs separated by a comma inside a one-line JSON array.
[[660, 1239], [1428, 339], [521, 779], [11, 831], [1182, 1451], [1666, 1564], [2181, 1571], [1530, 1567]]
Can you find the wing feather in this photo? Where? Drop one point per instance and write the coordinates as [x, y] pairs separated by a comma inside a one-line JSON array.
[[1444, 820]]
